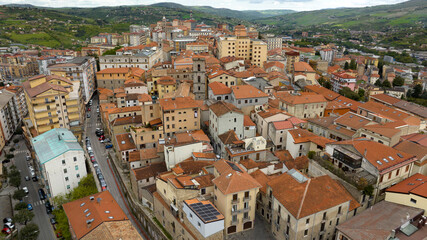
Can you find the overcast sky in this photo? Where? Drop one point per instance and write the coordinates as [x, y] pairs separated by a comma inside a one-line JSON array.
[[297, 5]]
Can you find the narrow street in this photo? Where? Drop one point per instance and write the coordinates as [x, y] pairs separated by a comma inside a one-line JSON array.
[[41, 218], [101, 157]]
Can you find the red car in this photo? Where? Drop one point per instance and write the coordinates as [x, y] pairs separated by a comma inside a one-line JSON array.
[[101, 138], [92, 159], [6, 231], [88, 109]]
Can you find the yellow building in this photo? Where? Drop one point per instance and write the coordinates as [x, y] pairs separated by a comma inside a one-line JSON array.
[[235, 194], [223, 77], [54, 102], [253, 50], [410, 192], [179, 115], [291, 58], [165, 85], [112, 78]]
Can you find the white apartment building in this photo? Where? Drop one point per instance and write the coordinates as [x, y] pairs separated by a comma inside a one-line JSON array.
[[61, 160]]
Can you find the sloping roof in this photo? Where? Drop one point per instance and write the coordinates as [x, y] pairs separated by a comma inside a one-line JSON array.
[[220, 108], [303, 67], [219, 88], [283, 155], [280, 125], [247, 91], [416, 184], [302, 98], [125, 142], [232, 178], [262, 179], [328, 94], [417, 138], [379, 155], [379, 221], [352, 120], [149, 171], [385, 98], [348, 102], [297, 163], [99, 212], [39, 89], [53, 143], [274, 64], [229, 137], [178, 103], [247, 121], [127, 120], [410, 147], [314, 195]]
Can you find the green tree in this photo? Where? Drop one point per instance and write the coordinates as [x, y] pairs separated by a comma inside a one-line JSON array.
[[29, 232], [111, 51], [368, 190], [311, 154], [20, 206], [361, 93], [86, 187], [346, 66], [386, 84], [398, 81], [353, 64], [19, 194], [23, 216], [328, 85], [418, 89], [378, 83], [15, 180], [347, 92], [62, 223]]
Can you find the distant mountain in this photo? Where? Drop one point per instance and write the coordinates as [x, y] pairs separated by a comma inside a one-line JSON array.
[[19, 5], [246, 15], [401, 15]]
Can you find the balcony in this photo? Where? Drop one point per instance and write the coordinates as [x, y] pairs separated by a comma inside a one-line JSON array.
[[246, 209], [234, 212], [246, 199], [235, 201], [235, 222]]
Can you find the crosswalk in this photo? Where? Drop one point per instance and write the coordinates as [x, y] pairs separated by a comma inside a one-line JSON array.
[[94, 125], [38, 203], [21, 151]]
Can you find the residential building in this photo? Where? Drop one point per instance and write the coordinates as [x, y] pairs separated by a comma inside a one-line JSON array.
[[223, 77], [380, 165], [10, 114], [144, 157], [291, 58], [143, 177], [54, 102], [235, 194], [17, 66], [265, 117], [199, 78], [248, 98], [303, 207], [99, 216], [112, 78], [144, 59], [224, 117], [299, 142], [327, 54], [342, 80], [273, 43], [410, 192], [419, 150], [218, 91], [165, 85], [61, 161], [384, 220], [80, 69], [124, 145], [253, 50], [302, 105], [179, 115], [303, 68]]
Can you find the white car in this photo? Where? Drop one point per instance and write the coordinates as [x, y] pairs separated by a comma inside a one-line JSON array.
[[89, 149], [25, 190]]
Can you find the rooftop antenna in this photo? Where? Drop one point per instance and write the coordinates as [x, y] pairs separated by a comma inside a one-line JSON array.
[[98, 200]]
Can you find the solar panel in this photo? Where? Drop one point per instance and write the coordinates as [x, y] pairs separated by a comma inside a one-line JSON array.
[[205, 211]]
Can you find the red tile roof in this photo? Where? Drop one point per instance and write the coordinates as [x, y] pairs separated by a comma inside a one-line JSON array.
[[178, 103], [416, 184], [219, 88], [247, 91]]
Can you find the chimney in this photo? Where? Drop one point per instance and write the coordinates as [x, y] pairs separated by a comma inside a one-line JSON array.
[[92, 198], [366, 150]]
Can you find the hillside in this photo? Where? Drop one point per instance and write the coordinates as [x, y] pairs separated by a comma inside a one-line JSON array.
[[245, 15], [402, 15]]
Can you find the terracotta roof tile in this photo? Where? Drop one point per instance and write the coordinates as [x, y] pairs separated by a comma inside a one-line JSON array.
[[177, 103], [247, 121], [410, 147], [247, 91], [300, 99], [303, 67], [283, 155], [125, 142], [416, 184], [328, 94], [220, 108], [274, 64], [219, 88], [149, 171]]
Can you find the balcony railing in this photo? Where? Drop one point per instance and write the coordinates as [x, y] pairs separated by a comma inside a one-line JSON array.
[[246, 199], [235, 222], [235, 201]]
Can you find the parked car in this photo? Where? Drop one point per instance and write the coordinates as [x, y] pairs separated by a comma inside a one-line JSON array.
[[48, 207], [100, 176], [103, 184], [89, 149], [6, 220], [95, 164], [28, 157], [53, 221], [108, 146], [9, 225], [107, 140], [92, 159], [88, 109], [5, 161], [35, 179], [25, 190], [27, 178], [88, 115], [29, 207], [42, 194], [98, 171]]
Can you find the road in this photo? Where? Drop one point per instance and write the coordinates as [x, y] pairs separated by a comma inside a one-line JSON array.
[[41, 218], [101, 157]]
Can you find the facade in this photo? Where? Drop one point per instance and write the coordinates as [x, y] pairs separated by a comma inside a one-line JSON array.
[[179, 115], [302, 105], [13, 67], [199, 78], [341, 80], [61, 160], [273, 43], [112, 78], [291, 58], [410, 192], [243, 47], [248, 98], [307, 208], [80, 69], [54, 102], [10, 115], [145, 59]]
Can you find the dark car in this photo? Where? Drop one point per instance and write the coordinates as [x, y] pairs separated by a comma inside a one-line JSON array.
[[48, 207], [6, 161], [42, 194], [6, 220], [35, 179], [53, 221], [108, 146]]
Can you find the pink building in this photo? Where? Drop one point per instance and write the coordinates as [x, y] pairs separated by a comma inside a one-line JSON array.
[[340, 80]]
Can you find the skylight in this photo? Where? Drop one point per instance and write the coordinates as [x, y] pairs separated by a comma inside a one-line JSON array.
[[391, 158], [385, 160], [380, 163]]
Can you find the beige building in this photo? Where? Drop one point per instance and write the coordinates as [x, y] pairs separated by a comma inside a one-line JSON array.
[[243, 47], [291, 58], [235, 194], [307, 208], [54, 102], [223, 77], [179, 115], [112, 78], [302, 105], [410, 192]]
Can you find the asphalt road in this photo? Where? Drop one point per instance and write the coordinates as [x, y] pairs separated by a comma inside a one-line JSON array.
[[41, 218], [101, 157]]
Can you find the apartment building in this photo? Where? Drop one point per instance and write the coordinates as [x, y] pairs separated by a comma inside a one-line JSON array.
[[253, 50], [54, 102], [112, 78], [19, 99], [165, 86], [218, 91], [299, 142], [409, 192], [235, 194], [80, 69], [223, 77], [342, 80], [273, 43], [303, 68], [144, 59], [61, 160], [291, 58], [302, 105], [248, 98], [307, 208], [10, 115], [382, 166], [179, 115], [17, 66]]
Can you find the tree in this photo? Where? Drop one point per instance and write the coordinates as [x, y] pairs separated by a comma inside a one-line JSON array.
[[398, 81], [346, 66], [86, 187], [378, 83], [346, 91], [29, 232], [23, 216], [353, 64], [386, 84], [368, 190], [20, 206], [15, 180], [361, 93], [19, 194], [328, 85], [418, 89]]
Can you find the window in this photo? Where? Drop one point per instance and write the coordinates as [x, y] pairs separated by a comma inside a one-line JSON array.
[[68, 186], [307, 221], [322, 227], [305, 232], [324, 215], [198, 224], [413, 200], [246, 215], [77, 167], [339, 210], [65, 170], [203, 191], [191, 215], [407, 168], [234, 218], [247, 194], [397, 172], [246, 205], [338, 221], [75, 159], [63, 162], [234, 208], [78, 175], [66, 178]]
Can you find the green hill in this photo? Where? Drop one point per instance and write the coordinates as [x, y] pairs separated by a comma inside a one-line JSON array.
[[402, 15]]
